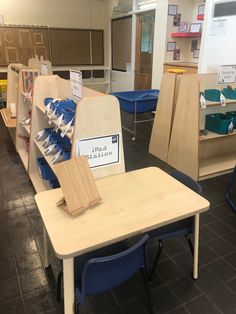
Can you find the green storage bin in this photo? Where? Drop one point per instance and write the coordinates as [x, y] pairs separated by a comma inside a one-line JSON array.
[[229, 93], [233, 115], [218, 123], [212, 94]]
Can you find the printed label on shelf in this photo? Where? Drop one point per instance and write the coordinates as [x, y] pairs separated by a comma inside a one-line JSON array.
[[46, 141], [57, 157], [50, 149], [227, 74], [39, 135], [202, 102], [67, 129], [100, 151], [52, 117], [76, 84], [222, 100], [59, 122]]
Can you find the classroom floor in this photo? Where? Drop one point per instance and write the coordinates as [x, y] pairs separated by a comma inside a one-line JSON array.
[[26, 288]]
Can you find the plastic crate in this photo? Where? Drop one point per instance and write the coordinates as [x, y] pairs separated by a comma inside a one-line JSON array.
[[229, 93], [212, 94], [233, 115], [146, 100], [218, 123]]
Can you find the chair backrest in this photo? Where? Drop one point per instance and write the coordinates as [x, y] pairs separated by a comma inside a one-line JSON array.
[[104, 273], [187, 180]]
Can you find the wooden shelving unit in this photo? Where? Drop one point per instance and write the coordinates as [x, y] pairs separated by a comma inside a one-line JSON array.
[[24, 109], [202, 156], [13, 74], [96, 115]]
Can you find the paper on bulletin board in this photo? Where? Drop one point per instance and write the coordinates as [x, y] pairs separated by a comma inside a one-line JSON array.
[[219, 27], [227, 74], [100, 151], [76, 84]]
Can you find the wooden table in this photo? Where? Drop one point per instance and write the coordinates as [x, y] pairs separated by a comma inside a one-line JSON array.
[[132, 203]]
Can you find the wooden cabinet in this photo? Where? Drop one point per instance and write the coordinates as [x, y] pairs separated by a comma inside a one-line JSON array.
[[200, 156], [96, 115]]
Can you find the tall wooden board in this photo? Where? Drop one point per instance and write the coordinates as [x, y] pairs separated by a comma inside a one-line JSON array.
[[161, 131], [184, 142]]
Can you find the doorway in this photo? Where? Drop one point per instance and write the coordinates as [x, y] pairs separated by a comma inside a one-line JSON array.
[[144, 50]]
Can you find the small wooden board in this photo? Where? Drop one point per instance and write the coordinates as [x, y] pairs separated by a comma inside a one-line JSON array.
[[8, 120], [77, 184]]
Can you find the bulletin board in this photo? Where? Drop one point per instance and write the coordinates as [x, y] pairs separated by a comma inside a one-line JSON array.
[[121, 43], [76, 46], [61, 46], [19, 44]]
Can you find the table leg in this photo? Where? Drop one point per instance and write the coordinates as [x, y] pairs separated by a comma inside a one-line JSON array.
[[45, 248], [196, 246], [68, 273]]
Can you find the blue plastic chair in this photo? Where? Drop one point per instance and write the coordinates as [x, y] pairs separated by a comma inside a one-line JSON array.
[[183, 227], [229, 190], [99, 274]]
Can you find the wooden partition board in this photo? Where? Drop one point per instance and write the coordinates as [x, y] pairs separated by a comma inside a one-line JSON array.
[[161, 131], [184, 143], [96, 117]]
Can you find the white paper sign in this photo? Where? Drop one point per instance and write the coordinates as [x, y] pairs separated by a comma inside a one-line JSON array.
[[227, 74], [100, 151], [76, 83]]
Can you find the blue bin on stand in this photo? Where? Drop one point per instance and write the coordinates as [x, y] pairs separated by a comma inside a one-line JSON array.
[[137, 102], [146, 100]]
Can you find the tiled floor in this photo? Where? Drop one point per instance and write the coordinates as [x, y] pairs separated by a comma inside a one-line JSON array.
[[25, 287]]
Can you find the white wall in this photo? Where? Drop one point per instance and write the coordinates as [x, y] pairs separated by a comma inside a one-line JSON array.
[[121, 81], [218, 48], [188, 10], [59, 13], [159, 47]]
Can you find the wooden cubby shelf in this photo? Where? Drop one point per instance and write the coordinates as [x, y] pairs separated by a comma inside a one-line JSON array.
[[96, 115], [202, 156], [186, 35], [221, 163], [69, 134], [217, 103], [214, 136]]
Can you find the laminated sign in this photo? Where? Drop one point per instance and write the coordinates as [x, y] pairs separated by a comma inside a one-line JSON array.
[[100, 151]]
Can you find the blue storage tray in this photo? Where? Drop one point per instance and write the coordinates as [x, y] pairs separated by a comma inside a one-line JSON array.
[[44, 169], [218, 123], [146, 100]]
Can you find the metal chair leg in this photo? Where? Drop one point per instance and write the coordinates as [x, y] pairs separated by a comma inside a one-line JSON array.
[[155, 261], [76, 307], [147, 290], [59, 278], [190, 244]]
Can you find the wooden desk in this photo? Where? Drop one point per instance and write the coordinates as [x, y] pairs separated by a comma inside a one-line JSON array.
[[132, 203]]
